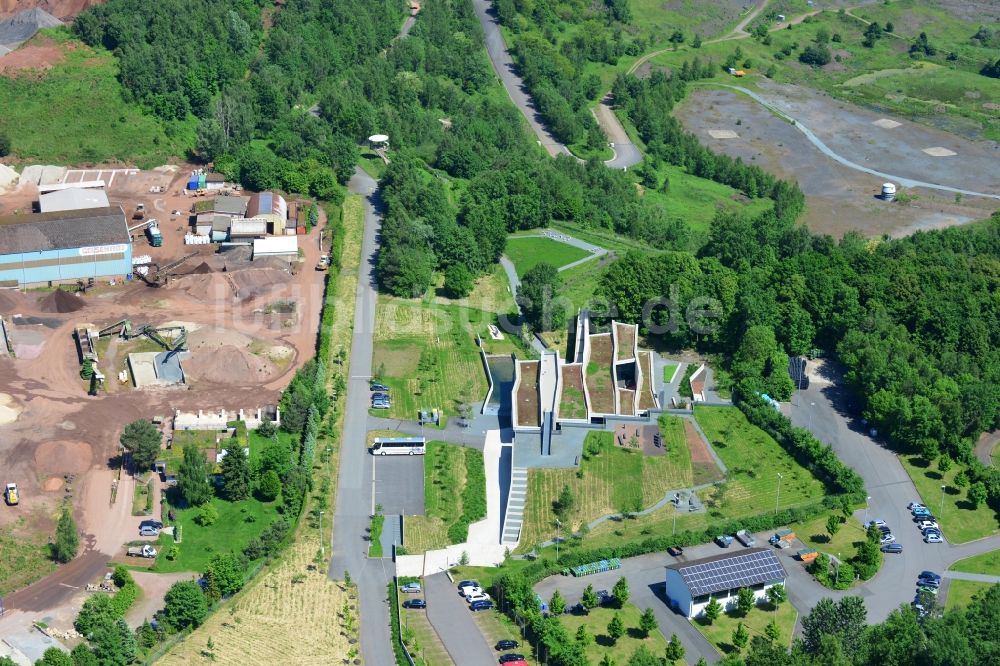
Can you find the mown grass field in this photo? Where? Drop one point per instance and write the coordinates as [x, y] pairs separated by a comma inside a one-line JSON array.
[[958, 520], [447, 480], [613, 480], [24, 558], [491, 293], [720, 632], [428, 356], [526, 252], [75, 112], [597, 621], [987, 563], [421, 640], [238, 522], [754, 461], [961, 592]]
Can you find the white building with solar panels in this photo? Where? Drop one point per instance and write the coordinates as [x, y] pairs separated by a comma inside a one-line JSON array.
[[691, 585]]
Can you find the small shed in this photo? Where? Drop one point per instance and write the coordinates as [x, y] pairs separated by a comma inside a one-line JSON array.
[[215, 181], [276, 246], [220, 227]]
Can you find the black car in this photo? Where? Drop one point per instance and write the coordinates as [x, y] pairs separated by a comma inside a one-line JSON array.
[[468, 583], [378, 387], [676, 551], [884, 529], [480, 605], [510, 656], [155, 524], [414, 603], [929, 575], [504, 644], [892, 548]]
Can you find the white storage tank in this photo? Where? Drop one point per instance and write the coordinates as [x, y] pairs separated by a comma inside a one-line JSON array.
[[888, 191]]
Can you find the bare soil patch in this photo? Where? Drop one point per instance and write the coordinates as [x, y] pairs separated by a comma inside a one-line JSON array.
[[63, 457], [36, 57], [53, 484], [229, 365]]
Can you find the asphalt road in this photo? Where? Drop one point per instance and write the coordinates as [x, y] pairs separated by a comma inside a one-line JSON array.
[[399, 484], [626, 153], [453, 621], [355, 488], [826, 408]]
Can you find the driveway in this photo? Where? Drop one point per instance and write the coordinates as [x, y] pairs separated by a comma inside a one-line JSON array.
[[453, 621], [828, 409], [354, 488]]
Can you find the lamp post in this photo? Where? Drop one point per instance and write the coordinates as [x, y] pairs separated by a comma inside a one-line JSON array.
[[777, 497], [941, 509], [867, 500], [836, 580], [322, 547], [811, 405], [558, 525], [675, 521]]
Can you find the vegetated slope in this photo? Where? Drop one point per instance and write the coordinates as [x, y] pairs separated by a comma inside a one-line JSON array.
[[61, 9], [75, 113]]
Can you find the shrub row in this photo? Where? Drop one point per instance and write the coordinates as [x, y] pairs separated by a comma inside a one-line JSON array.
[[473, 497], [124, 598], [397, 640]]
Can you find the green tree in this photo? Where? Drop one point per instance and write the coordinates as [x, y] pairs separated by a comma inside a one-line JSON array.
[[583, 637], [589, 599], [458, 281], [192, 477], [538, 298], [269, 486], [67, 541], [54, 657], [563, 506], [620, 592], [675, 650], [83, 656], [771, 631], [113, 643], [713, 610], [642, 656], [185, 605], [977, 494], [616, 628], [816, 55], [224, 575], [962, 479], [647, 622], [236, 474], [745, 600], [207, 515], [776, 595], [832, 525], [146, 635], [96, 610], [696, 42], [142, 439], [844, 620], [267, 429], [557, 605], [740, 636], [607, 660], [121, 576]]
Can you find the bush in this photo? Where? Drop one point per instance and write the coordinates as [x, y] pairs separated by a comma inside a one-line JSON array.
[[124, 598], [816, 55], [207, 515], [269, 486]]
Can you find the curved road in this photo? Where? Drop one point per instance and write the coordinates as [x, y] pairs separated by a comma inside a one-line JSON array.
[[626, 153], [826, 150]]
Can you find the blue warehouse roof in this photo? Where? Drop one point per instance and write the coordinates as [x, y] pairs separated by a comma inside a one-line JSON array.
[[730, 571], [63, 230]]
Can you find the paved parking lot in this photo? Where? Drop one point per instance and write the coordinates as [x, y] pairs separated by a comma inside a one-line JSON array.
[[399, 484]]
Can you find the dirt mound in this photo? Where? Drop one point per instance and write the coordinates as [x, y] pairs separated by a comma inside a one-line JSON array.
[[201, 269], [52, 484], [228, 365], [253, 282], [31, 57], [63, 457], [60, 301]]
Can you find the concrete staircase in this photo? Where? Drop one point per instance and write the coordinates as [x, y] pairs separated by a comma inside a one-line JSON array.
[[515, 507]]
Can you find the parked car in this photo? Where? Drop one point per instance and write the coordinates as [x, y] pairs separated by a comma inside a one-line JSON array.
[[155, 524], [929, 575], [410, 588], [915, 505], [378, 387], [724, 540], [380, 396], [885, 529], [479, 596], [929, 589], [878, 522], [924, 516], [888, 538], [381, 405], [676, 551], [924, 524], [920, 511], [509, 657], [892, 548], [468, 583], [933, 538], [926, 582], [604, 597], [414, 603], [480, 605], [470, 589], [149, 531], [505, 644]]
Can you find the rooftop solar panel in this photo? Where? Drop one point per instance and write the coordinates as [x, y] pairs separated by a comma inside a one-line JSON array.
[[727, 572]]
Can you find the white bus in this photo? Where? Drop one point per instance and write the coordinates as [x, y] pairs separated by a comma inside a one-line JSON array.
[[399, 446]]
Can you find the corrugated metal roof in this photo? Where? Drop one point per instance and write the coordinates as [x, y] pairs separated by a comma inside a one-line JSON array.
[[226, 205], [275, 245], [730, 571], [63, 230], [72, 199]]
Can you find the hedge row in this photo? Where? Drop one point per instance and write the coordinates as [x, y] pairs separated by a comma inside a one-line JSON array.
[[124, 598], [397, 640], [473, 497]]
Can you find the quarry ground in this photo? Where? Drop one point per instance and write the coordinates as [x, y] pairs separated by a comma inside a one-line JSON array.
[[842, 199], [250, 326]]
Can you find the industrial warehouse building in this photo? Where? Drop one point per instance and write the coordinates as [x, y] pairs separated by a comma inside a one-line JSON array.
[[64, 245], [691, 585], [74, 198]]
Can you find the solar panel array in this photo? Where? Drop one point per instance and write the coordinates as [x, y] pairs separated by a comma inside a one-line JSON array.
[[732, 572]]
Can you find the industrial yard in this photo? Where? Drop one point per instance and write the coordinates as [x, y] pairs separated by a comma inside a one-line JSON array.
[[202, 329]]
